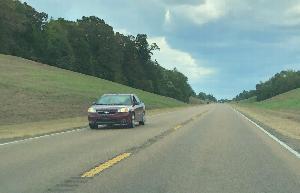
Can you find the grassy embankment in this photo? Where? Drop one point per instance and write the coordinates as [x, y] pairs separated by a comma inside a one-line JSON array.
[[36, 98], [281, 112]]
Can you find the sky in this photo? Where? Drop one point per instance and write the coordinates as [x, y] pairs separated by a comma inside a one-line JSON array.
[[222, 46]]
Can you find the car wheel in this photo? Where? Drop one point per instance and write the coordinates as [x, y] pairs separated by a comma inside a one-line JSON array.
[[93, 126], [143, 121], [132, 121]]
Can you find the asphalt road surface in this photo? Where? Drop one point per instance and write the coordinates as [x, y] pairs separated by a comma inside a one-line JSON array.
[[200, 149]]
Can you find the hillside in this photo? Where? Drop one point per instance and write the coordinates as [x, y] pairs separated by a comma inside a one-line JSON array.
[[289, 100], [32, 91], [249, 100], [286, 101], [280, 83], [89, 46]]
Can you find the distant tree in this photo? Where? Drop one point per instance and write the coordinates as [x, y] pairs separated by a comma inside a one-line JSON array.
[[245, 95], [224, 101], [279, 83], [206, 97], [202, 96]]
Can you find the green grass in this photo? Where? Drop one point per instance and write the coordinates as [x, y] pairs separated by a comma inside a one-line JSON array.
[[31, 91], [286, 101], [249, 100]]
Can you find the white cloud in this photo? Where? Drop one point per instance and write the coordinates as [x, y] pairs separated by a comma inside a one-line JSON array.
[[249, 12], [205, 12], [171, 58], [292, 15], [279, 13], [167, 16]]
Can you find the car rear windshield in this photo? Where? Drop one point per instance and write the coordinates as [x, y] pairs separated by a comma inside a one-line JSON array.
[[114, 100]]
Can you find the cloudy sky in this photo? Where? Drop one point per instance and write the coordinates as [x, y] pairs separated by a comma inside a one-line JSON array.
[[222, 46]]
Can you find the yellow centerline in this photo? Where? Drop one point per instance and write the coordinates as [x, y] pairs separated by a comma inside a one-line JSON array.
[[115, 160], [105, 165]]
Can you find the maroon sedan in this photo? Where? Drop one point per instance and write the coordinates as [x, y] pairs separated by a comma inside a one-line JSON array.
[[117, 109]]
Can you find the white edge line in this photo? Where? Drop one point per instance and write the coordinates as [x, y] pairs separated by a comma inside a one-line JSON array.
[[297, 154], [53, 134], [42, 136]]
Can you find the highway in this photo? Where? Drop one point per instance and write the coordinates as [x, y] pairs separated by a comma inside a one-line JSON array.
[[207, 149]]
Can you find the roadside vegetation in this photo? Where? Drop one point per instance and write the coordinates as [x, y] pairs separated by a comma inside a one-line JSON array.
[[196, 100], [206, 98], [38, 98], [32, 91], [89, 46], [279, 93], [51, 70], [280, 83], [275, 103], [289, 101], [281, 113]]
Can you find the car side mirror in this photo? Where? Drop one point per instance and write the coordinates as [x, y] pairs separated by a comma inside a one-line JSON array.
[[135, 103], [94, 103]]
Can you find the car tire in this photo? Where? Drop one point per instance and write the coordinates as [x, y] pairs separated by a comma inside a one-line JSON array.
[[143, 119], [93, 126], [132, 121]]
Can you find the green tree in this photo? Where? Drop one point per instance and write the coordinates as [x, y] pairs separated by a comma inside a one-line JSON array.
[[88, 46]]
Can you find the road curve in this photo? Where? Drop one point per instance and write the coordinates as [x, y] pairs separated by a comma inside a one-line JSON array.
[[201, 149]]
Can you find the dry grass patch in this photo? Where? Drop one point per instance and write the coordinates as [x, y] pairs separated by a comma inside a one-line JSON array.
[[41, 127]]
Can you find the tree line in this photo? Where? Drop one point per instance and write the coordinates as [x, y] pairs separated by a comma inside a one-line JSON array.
[[89, 46], [206, 97], [280, 83]]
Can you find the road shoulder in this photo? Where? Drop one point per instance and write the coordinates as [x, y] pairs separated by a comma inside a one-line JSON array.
[[286, 130], [9, 133]]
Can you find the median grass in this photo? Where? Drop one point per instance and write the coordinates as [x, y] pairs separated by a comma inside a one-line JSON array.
[[35, 92]]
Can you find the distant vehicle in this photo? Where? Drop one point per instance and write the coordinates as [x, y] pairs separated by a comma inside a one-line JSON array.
[[117, 109]]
